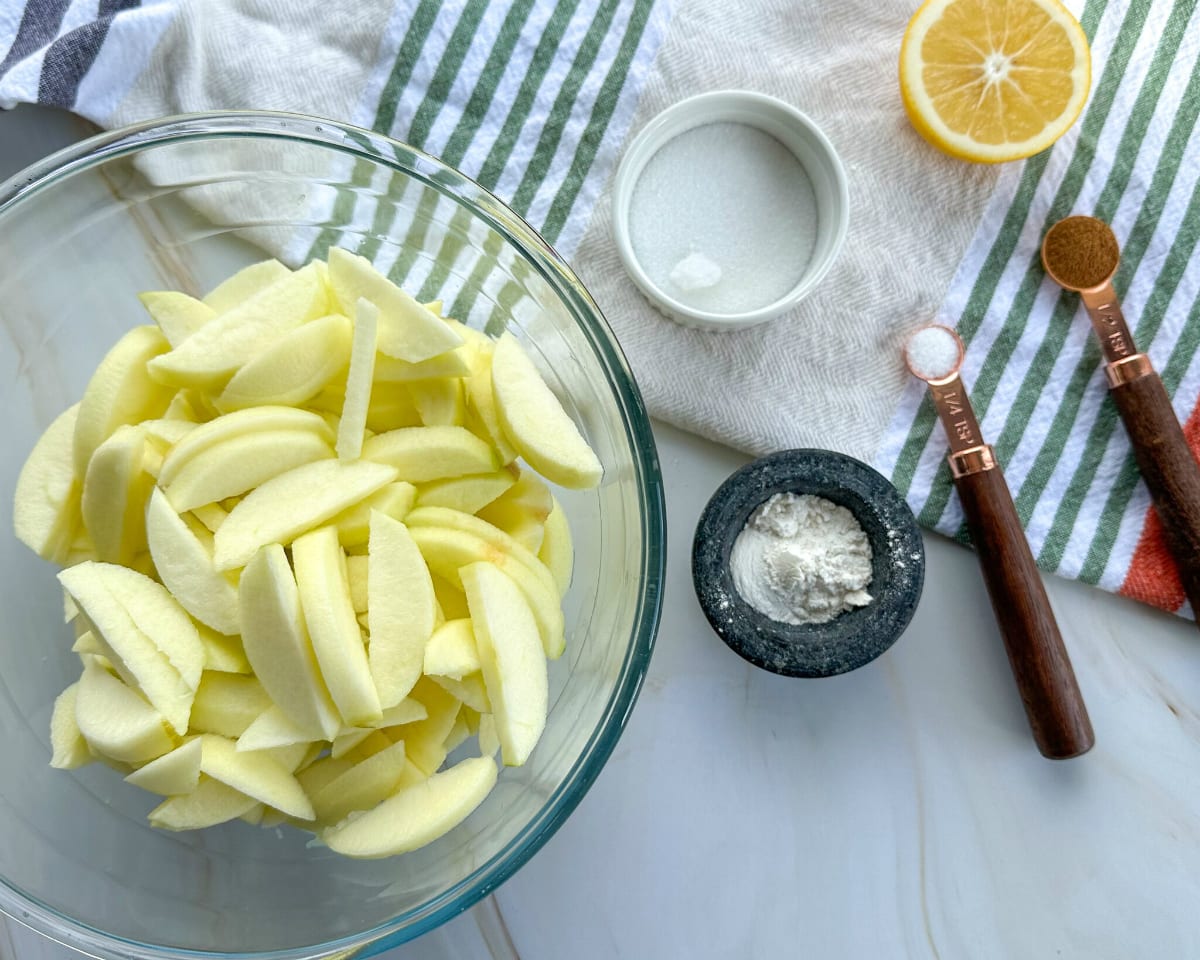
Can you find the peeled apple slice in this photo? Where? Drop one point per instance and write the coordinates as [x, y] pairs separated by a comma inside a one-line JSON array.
[[277, 644], [242, 464], [46, 503], [212, 515], [400, 609], [375, 741], [511, 657], [70, 609], [245, 284], [223, 653], [482, 399], [471, 337], [157, 681], [120, 392], [81, 549], [273, 728], [467, 494], [407, 710], [451, 651], [87, 643], [536, 422], [407, 331], [163, 434], [116, 721], [460, 732], [153, 611], [557, 551], [286, 506], [421, 454], [354, 525], [450, 598], [391, 407], [417, 815], [297, 367], [528, 495], [254, 816], [328, 404], [289, 756], [425, 740], [356, 578], [213, 353], [115, 492], [171, 774], [181, 408], [70, 749], [489, 740], [322, 773], [133, 653], [348, 740], [329, 614], [446, 551], [448, 364], [477, 526], [227, 703], [183, 558], [471, 690], [526, 531], [439, 402], [358, 381], [241, 423], [522, 510], [366, 784], [178, 316], [353, 739], [256, 775], [212, 802]]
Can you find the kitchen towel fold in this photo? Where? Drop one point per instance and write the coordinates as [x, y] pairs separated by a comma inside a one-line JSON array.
[[536, 99], [532, 99]]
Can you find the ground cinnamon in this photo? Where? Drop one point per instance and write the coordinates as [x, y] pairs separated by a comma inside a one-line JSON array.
[[1080, 252]]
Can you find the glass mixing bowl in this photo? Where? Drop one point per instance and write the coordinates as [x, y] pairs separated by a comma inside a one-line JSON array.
[[180, 204]]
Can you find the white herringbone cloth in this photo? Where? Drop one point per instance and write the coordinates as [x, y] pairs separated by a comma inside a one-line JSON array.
[[828, 374]]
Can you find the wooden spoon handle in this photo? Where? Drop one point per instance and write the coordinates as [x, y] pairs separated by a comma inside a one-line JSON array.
[[1169, 469], [1055, 708]]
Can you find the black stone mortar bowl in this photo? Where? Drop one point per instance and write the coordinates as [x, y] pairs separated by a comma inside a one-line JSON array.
[[849, 640]]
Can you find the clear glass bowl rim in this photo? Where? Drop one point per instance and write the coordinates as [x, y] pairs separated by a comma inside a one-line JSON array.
[[358, 142]]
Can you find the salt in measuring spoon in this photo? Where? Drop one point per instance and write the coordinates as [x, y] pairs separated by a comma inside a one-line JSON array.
[[1081, 254], [1040, 664]]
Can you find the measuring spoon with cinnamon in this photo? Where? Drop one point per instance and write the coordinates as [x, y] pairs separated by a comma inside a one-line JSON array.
[[1081, 254]]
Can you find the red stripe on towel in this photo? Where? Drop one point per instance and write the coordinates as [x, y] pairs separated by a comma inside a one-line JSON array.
[[1152, 576]]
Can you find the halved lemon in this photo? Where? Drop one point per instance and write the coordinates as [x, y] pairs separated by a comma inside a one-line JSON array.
[[994, 80]]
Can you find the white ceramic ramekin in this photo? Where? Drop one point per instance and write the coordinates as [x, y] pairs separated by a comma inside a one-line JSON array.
[[787, 125]]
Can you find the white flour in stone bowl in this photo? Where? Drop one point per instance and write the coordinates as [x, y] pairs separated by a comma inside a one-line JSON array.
[[802, 559]]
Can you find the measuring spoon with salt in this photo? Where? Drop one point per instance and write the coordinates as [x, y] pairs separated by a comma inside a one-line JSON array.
[[1040, 664], [1081, 254]]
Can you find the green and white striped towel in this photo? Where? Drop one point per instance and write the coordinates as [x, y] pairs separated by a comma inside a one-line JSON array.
[[532, 99], [1033, 366]]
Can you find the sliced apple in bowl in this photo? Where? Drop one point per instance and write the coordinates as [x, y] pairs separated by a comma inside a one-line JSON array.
[[307, 562], [535, 421]]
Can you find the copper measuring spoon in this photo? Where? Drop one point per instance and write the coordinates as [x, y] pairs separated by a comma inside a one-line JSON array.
[[1159, 447], [1041, 667]]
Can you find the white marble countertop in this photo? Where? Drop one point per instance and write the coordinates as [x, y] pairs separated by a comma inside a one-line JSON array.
[[899, 811]]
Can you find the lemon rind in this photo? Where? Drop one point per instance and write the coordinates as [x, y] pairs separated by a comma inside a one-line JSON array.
[[929, 123]]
